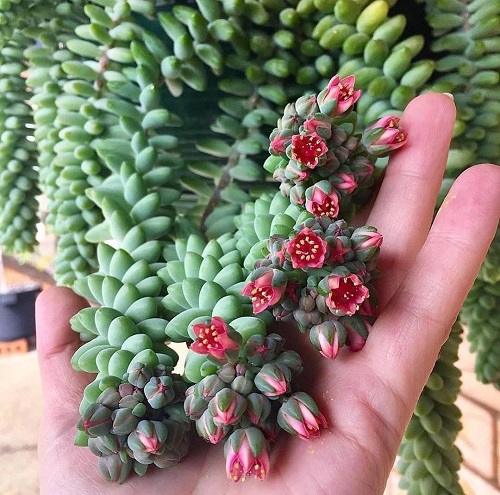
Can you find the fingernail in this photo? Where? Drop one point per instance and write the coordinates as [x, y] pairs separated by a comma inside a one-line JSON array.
[[449, 95]]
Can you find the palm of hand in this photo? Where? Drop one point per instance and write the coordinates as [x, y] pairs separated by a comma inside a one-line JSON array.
[[367, 397]]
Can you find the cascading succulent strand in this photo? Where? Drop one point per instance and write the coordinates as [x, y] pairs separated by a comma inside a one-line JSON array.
[[480, 314], [429, 460], [18, 175]]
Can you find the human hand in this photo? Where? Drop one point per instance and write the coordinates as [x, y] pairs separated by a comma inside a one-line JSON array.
[[367, 397]]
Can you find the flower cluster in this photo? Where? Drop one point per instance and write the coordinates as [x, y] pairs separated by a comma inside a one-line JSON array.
[[320, 276], [247, 399], [316, 154], [138, 422]]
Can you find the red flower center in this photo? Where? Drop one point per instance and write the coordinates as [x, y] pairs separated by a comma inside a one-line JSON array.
[[345, 92], [348, 296], [328, 208], [307, 249], [260, 295], [307, 149], [209, 337]]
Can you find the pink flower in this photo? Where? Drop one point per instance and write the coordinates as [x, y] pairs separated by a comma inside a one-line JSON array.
[[340, 91], [346, 294], [300, 416], [213, 338], [307, 149], [321, 203], [262, 292], [246, 455], [345, 182], [307, 249], [385, 135]]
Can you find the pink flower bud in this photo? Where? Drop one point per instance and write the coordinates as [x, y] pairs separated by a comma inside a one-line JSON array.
[[328, 337], [322, 200], [246, 454], [149, 437], [273, 380], [213, 339], [366, 243], [295, 172], [208, 430], [227, 407], [358, 329], [306, 105], [344, 182], [339, 96], [319, 126], [279, 142], [384, 136], [307, 149], [345, 294], [337, 251], [262, 292], [259, 408], [300, 416]]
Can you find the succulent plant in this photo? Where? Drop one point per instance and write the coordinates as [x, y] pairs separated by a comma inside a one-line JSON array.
[[164, 213]]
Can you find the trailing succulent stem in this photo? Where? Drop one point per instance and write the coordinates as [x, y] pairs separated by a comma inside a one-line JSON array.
[[429, 461]]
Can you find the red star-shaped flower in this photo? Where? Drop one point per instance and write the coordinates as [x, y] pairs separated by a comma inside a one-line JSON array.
[[307, 249]]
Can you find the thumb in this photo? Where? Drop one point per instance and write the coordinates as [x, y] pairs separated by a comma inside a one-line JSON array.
[[56, 342]]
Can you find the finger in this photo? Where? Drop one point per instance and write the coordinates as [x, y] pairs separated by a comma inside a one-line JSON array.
[[407, 337], [56, 342], [405, 204]]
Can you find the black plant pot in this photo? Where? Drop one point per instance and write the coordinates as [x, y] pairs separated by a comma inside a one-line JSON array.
[[17, 312]]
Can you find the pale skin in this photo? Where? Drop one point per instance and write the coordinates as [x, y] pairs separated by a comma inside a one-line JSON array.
[[367, 397]]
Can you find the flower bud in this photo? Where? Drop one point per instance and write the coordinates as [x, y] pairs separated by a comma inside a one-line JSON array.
[[242, 385], [358, 329], [246, 453], [227, 407], [226, 373], [208, 387], [148, 437], [139, 375], [194, 406], [112, 468], [366, 243], [344, 183], [279, 141], [260, 349], [299, 415], [109, 398], [296, 172], [159, 391], [339, 250], [306, 105], [207, 429], [96, 420], [259, 408], [273, 380], [320, 124], [124, 422], [291, 360], [106, 445], [328, 337], [384, 136]]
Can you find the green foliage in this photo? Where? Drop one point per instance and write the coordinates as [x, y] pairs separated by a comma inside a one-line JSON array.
[[429, 461]]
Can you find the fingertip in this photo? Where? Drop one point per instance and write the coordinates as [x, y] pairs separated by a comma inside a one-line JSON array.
[[438, 104]]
